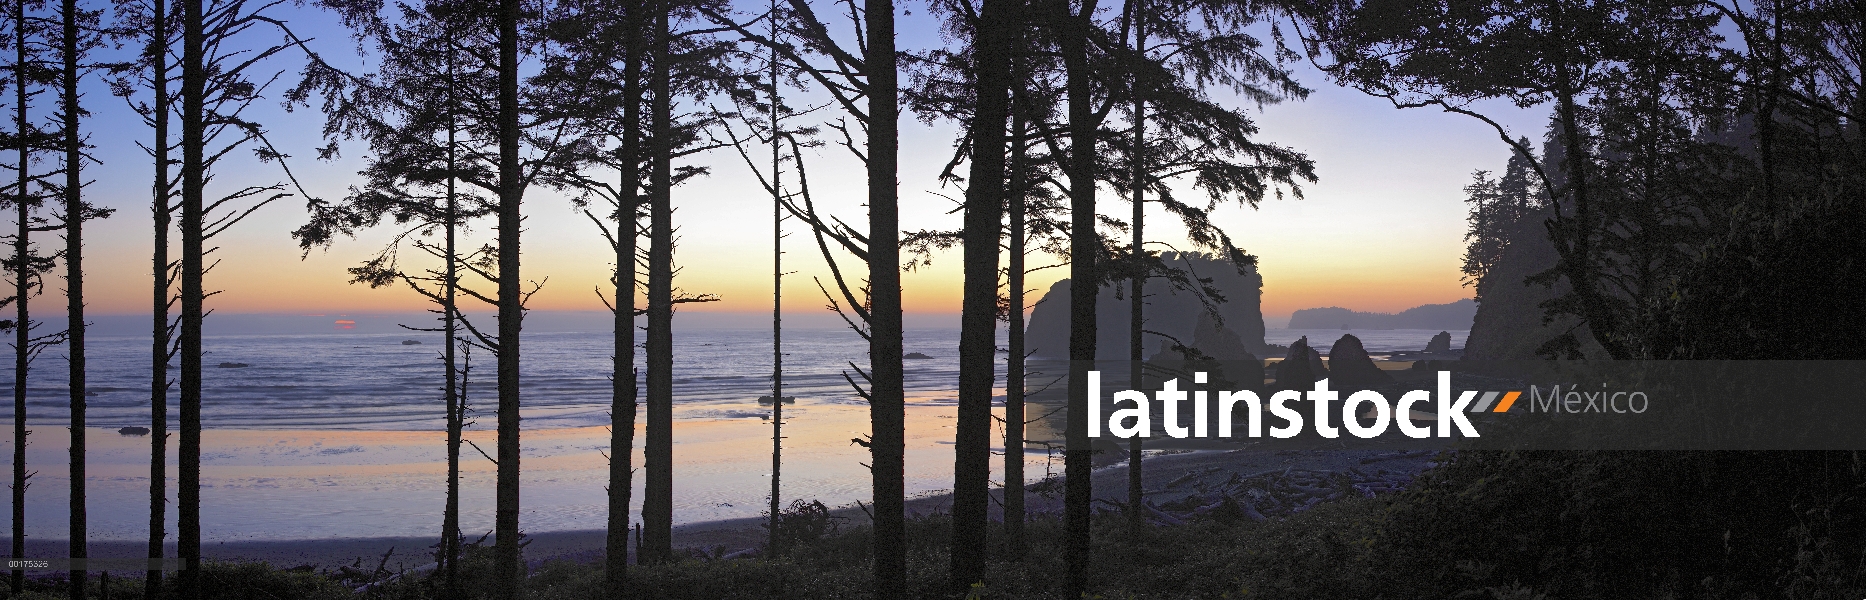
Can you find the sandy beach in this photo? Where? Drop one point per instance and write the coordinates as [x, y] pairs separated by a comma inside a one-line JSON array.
[[331, 497], [320, 496], [1171, 473]]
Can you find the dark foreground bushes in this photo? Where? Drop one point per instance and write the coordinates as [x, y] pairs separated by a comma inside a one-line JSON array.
[[1636, 525], [1503, 525], [219, 580]]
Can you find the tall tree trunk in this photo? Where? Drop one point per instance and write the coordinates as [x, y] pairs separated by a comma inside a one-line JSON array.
[[1771, 93], [75, 214], [984, 215], [456, 409], [623, 392], [159, 332], [1578, 263], [1084, 248], [657, 510], [1014, 359], [1137, 286], [193, 179], [507, 572], [887, 412], [777, 303], [456, 417], [22, 290]]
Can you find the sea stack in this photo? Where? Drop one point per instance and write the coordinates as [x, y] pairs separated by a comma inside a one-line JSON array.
[[1440, 344], [1349, 366], [1226, 359], [1170, 309], [1294, 372]]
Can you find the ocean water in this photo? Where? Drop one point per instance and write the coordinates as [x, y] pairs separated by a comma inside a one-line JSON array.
[[1374, 340], [374, 382], [339, 435]]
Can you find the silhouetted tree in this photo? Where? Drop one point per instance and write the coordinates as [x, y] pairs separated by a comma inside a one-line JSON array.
[[78, 35], [1018, 191], [767, 70], [1788, 200], [605, 52], [152, 24], [682, 63], [887, 395], [1197, 45], [1074, 28], [506, 569], [1649, 104], [193, 226], [1136, 14], [603, 56], [657, 507], [867, 72], [996, 29], [1035, 224], [1497, 208], [1032, 226], [1176, 131], [539, 132], [973, 84], [422, 113], [774, 100], [217, 84], [623, 396], [777, 292], [1530, 52], [31, 72], [1696, 199], [945, 87]]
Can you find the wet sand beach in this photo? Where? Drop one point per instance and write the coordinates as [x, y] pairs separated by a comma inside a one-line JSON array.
[[1169, 474]]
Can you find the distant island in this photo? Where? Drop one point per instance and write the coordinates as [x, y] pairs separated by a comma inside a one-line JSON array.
[[1455, 315]]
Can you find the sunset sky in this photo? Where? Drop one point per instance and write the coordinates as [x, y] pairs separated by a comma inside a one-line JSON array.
[[1382, 230]]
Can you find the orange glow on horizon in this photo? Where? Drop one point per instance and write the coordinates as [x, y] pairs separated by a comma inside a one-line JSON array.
[[1366, 288]]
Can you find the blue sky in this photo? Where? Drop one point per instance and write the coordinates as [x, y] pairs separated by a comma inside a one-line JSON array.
[[1381, 231]]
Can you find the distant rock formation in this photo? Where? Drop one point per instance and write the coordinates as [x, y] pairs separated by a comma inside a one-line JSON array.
[[1440, 344], [1454, 315], [1301, 367], [1221, 355], [1171, 311], [915, 356], [134, 430], [411, 342], [1349, 366], [233, 365], [1211, 339]]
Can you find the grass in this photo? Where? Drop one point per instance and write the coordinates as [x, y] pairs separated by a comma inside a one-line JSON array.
[[1484, 525], [1208, 559]]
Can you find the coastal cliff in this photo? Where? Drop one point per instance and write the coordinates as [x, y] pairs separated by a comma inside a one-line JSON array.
[[1509, 321]]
